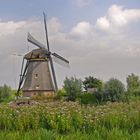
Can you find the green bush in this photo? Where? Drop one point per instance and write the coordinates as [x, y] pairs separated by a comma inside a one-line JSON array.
[[73, 88], [61, 93], [5, 93], [133, 84], [87, 98], [113, 91]]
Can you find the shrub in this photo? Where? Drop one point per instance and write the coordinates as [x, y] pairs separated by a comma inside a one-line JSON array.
[[113, 90], [5, 92], [73, 88], [60, 94], [133, 84], [87, 98]]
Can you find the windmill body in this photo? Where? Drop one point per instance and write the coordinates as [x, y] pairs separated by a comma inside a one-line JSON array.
[[38, 75], [38, 80]]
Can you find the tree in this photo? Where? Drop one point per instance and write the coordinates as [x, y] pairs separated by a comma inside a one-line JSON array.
[[113, 90], [73, 87], [4, 92], [133, 83], [91, 82]]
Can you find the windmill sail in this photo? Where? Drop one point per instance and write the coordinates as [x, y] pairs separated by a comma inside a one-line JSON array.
[[60, 60], [46, 31], [60, 57], [51, 62], [53, 73], [32, 40]]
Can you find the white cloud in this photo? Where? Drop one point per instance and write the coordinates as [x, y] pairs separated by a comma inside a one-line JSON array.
[[117, 16], [82, 29], [103, 23], [89, 51], [10, 27]]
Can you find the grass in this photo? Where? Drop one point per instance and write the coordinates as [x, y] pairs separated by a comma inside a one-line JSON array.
[[43, 134], [69, 120]]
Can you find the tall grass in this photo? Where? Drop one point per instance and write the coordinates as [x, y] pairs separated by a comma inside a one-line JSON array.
[[69, 120], [43, 134]]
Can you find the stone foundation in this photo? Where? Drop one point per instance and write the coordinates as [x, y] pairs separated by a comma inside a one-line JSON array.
[[38, 93]]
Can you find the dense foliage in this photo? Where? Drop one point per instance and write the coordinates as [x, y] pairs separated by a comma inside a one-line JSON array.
[[101, 92], [91, 82], [73, 88], [5, 93], [113, 90], [110, 121], [133, 84]]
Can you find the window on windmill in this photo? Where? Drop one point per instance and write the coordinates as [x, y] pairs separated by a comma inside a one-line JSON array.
[[36, 76], [37, 87]]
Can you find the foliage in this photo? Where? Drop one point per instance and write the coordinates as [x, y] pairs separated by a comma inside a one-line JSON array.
[[133, 84], [87, 98], [73, 87], [51, 120], [43, 134], [91, 82], [100, 97], [40, 134], [71, 120], [5, 92], [113, 90], [61, 93], [18, 94]]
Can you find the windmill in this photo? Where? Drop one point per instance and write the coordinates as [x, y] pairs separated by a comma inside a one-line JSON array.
[[38, 75]]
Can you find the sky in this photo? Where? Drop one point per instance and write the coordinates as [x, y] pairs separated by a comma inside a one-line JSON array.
[[99, 38]]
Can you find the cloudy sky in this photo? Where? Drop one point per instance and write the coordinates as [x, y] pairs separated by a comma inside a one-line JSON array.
[[98, 37]]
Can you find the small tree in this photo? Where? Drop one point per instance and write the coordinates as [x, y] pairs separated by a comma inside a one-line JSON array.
[[91, 82], [73, 87], [4, 92], [113, 90], [133, 84]]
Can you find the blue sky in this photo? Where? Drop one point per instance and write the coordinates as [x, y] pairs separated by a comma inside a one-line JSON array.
[[66, 10], [98, 37]]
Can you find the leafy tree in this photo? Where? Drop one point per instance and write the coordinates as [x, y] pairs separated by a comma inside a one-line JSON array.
[[4, 92], [113, 90], [73, 87], [91, 82], [133, 83]]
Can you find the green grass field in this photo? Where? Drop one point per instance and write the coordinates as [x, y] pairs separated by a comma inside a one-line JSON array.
[[69, 120]]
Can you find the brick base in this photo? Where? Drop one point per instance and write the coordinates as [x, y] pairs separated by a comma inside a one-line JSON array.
[[38, 93]]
